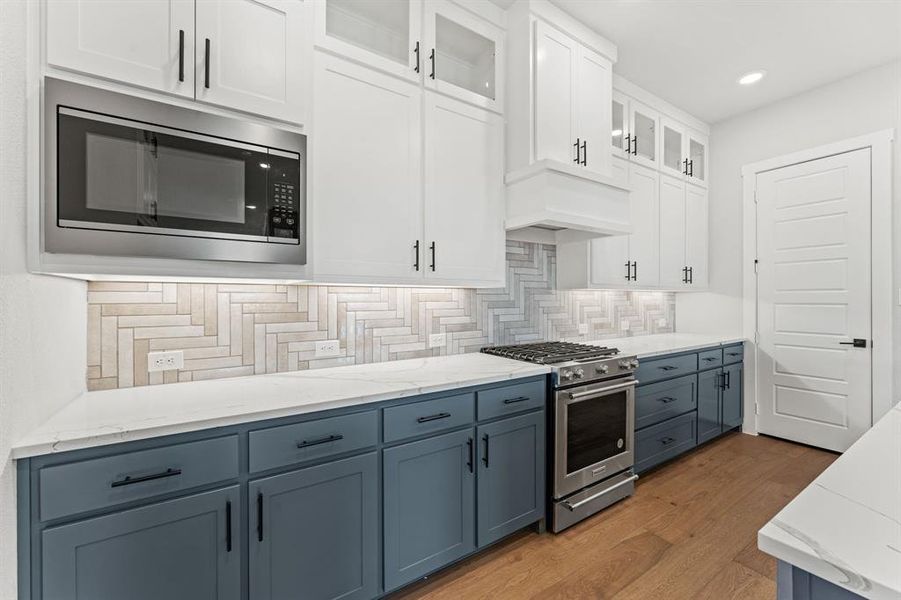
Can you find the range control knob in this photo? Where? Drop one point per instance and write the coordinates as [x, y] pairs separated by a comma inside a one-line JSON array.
[[567, 375], [634, 363], [601, 369], [579, 373], [625, 364]]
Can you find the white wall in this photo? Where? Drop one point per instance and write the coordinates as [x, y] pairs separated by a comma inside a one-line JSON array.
[[864, 103], [42, 319]]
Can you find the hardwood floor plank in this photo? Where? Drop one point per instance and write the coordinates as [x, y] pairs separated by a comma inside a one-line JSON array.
[[690, 531]]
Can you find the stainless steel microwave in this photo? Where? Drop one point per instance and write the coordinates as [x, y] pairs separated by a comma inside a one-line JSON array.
[[126, 176]]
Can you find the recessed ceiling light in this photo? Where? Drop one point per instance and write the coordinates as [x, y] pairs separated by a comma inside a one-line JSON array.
[[751, 78]]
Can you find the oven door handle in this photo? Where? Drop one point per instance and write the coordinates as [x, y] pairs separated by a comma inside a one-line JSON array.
[[569, 505], [602, 391]]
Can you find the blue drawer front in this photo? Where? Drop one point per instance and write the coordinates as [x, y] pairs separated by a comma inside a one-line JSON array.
[[420, 418], [301, 442], [733, 354], [102, 482], [709, 359], [666, 368], [661, 401], [661, 442], [510, 399]]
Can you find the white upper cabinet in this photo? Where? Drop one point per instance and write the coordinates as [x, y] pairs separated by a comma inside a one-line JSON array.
[[673, 264], [683, 152], [465, 55], [366, 174], [594, 77], [696, 236], [620, 132], [250, 56], [644, 241], [148, 43], [644, 124], [385, 34], [464, 193], [696, 152], [557, 56]]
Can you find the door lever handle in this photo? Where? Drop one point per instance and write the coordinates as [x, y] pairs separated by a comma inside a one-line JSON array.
[[857, 343]]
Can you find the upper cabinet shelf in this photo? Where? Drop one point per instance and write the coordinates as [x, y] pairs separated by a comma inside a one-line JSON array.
[[246, 55]]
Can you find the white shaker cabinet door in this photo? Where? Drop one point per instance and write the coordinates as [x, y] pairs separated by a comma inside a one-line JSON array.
[[644, 241], [672, 232], [696, 232], [595, 80], [250, 56], [556, 60], [148, 43], [609, 261], [366, 181], [464, 193]]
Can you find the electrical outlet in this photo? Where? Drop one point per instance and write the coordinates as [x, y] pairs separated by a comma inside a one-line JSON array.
[[661, 322], [624, 325], [165, 361], [328, 348], [436, 340], [583, 328]]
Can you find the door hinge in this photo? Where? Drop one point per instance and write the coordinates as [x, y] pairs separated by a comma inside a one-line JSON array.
[[756, 266], [756, 337], [755, 195], [756, 408]]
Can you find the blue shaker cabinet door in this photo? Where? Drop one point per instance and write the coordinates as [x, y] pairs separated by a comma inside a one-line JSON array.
[[511, 475], [314, 532], [177, 550], [709, 416], [732, 396], [429, 507]]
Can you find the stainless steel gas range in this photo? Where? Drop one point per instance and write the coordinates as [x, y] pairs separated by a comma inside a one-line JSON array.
[[592, 424]]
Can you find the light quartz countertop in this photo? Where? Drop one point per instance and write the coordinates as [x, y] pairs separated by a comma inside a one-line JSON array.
[[845, 527], [113, 416], [647, 346]]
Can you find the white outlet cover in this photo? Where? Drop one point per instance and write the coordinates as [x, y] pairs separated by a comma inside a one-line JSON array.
[[624, 325], [583, 328], [326, 348], [436, 340], [165, 361]]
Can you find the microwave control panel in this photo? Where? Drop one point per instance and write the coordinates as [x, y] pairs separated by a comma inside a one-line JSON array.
[[283, 214]]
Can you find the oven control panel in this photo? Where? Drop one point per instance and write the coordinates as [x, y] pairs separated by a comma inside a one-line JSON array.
[[586, 372]]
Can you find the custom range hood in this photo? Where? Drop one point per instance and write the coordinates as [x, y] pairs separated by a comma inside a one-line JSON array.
[[553, 202]]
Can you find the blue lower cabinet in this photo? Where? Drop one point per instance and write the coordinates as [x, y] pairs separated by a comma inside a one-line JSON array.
[[429, 505], [661, 442], [732, 396], [182, 549], [709, 415], [313, 533], [510, 476]]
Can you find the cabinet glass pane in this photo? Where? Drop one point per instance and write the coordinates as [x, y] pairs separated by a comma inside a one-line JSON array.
[[464, 57], [645, 136], [696, 153], [618, 125], [379, 26], [672, 149]]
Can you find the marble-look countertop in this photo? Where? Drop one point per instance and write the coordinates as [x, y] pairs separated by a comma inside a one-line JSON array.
[[845, 527], [646, 346], [112, 416]]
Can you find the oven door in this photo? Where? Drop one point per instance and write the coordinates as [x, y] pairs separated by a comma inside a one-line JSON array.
[[117, 174], [595, 433]]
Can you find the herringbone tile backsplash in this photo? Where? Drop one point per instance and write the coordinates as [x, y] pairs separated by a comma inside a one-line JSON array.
[[227, 330]]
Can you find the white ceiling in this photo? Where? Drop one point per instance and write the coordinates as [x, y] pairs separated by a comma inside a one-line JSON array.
[[691, 52]]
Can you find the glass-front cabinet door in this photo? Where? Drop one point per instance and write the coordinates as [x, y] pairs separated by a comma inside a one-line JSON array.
[[674, 160], [644, 139], [697, 158], [619, 125], [384, 34], [463, 55]]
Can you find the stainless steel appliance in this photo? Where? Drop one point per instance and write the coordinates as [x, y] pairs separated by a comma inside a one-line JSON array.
[[125, 176], [592, 424]]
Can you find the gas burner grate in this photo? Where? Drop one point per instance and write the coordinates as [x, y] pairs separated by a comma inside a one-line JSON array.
[[547, 353]]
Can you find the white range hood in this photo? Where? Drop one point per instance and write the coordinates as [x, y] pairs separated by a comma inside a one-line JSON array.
[[553, 202]]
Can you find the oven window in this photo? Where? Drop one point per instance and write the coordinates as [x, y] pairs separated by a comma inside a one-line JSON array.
[[118, 175], [595, 430]]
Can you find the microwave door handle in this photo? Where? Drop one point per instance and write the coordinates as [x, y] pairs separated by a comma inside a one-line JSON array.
[[603, 391]]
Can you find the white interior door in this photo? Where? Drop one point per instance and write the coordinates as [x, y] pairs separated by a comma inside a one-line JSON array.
[[814, 290], [250, 56], [556, 56], [464, 192]]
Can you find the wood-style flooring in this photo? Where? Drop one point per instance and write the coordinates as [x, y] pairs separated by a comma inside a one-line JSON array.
[[690, 531]]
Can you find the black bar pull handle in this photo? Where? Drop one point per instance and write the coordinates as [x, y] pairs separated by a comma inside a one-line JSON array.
[[584, 153], [667, 441], [485, 458], [691, 168], [685, 166], [667, 368], [416, 261], [728, 375], [416, 52], [260, 516], [709, 358], [628, 271], [443, 415], [316, 442], [432, 58], [857, 343], [206, 63], [634, 144], [181, 54], [129, 480], [628, 144], [635, 270], [515, 400], [228, 526], [469, 462], [578, 147], [667, 399], [691, 275], [432, 248]]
